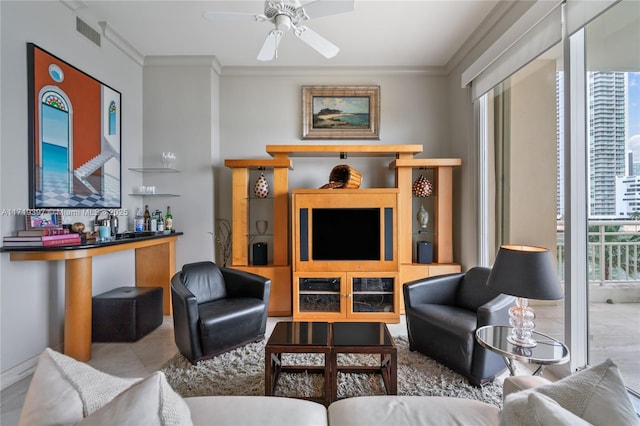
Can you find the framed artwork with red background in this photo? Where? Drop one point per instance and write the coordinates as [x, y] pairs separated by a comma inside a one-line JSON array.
[[74, 136]]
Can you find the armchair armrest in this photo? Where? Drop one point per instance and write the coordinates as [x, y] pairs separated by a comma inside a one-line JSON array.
[[185, 318], [495, 311], [245, 284], [439, 290]]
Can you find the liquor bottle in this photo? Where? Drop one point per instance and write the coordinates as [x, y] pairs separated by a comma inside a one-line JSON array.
[[139, 221], [157, 216], [160, 222], [168, 220], [147, 218]]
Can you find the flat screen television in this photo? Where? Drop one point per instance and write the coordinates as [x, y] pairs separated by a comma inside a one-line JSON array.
[[345, 234], [344, 230]]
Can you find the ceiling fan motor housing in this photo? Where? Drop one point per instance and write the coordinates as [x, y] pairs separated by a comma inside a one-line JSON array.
[[285, 13]]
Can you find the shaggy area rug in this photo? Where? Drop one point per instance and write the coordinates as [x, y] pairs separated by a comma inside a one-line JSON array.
[[241, 372]]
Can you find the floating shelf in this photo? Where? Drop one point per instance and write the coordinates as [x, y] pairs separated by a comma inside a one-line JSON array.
[[153, 170], [154, 195]]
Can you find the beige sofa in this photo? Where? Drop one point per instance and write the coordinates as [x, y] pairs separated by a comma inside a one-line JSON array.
[[65, 391]]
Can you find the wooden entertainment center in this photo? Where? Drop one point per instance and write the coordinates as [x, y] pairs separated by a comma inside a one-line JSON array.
[[345, 288]]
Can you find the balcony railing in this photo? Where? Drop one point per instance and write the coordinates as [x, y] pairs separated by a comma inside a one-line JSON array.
[[613, 252]]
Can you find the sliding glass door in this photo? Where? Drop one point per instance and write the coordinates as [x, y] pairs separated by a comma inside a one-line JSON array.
[[528, 173], [612, 78]]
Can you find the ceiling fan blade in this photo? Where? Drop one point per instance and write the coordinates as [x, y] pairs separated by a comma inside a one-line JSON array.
[[270, 45], [319, 43], [319, 8], [230, 17]]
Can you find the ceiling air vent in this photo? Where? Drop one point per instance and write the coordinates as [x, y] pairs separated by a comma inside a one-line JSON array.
[[86, 30]]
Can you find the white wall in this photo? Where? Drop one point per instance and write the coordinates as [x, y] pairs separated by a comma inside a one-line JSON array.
[[32, 293], [181, 116], [260, 108]]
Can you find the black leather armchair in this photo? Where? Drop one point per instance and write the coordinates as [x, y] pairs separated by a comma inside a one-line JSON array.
[[443, 314], [217, 309]]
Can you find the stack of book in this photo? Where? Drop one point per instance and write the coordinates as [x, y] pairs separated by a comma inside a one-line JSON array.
[[42, 238]]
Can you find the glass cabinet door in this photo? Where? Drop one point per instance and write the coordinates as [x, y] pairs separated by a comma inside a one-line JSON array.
[[319, 294], [373, 294]]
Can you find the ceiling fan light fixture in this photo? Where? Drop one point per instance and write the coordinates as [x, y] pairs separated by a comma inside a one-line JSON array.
[[286, 15], [283, 22]]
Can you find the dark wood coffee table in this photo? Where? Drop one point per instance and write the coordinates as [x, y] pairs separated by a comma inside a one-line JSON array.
[[365, 338], [298, 337]]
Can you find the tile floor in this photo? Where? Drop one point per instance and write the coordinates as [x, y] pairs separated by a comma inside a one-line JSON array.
[[613, 333], [151, 352]]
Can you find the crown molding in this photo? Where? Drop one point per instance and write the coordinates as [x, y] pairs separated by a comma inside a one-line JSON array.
[[74, 5], [121, 43], [184, 61], [249, 71]]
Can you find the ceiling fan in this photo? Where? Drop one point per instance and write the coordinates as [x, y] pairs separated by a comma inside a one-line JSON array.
[[287, 15]]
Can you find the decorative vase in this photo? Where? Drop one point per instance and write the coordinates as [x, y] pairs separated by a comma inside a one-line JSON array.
[[422, 187], [261, 188], [423, 217], [262, 226]]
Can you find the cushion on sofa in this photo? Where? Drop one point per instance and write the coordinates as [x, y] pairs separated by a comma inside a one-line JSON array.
[[150, 401], [548, 412], [411, 410], [513, 384], [597, 395], [255, 410], [64, 391]]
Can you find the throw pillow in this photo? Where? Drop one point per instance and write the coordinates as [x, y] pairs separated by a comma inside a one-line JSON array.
[[596, 395], [148, 402], [535, 409], [548, 412], [64, 391]]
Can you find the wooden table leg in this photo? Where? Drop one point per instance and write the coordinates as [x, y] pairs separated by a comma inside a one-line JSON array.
[[393, 373], [268, 373], [333, 366], [77, 308], [155, 266], [328, 371]]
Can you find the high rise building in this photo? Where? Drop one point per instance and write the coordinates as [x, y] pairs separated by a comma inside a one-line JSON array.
[[607, 100]]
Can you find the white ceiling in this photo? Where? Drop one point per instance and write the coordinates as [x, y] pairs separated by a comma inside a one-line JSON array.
[[378, 33]]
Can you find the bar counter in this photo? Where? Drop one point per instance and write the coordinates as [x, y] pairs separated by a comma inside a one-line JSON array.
[[154, 263]]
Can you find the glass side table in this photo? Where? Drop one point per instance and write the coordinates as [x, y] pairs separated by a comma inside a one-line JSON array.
[[548, 351]]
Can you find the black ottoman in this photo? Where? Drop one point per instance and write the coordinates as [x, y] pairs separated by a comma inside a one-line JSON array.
[[126, 314]]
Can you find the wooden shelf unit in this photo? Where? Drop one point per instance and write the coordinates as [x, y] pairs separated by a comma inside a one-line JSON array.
[[279, 270], [404, 163], [442, 218]]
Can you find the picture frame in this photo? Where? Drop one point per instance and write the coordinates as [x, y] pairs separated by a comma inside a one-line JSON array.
[[47, 219], [74, 136], [341, 112]]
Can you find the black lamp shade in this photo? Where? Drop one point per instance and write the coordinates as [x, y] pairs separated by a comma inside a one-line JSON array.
[[525, 271]]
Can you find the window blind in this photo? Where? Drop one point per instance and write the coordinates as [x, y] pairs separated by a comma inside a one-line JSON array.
[[537, 30]]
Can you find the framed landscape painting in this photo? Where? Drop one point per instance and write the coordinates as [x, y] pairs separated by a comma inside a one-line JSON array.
[[74, 136], [341, 112]]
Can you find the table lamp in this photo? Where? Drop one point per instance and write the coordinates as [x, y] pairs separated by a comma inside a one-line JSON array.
[[528, 273]]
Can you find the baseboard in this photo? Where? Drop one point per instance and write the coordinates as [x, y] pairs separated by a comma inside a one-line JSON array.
[[20, 371]]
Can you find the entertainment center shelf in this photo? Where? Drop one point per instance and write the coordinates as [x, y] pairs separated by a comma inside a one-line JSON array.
[[355, 290]]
